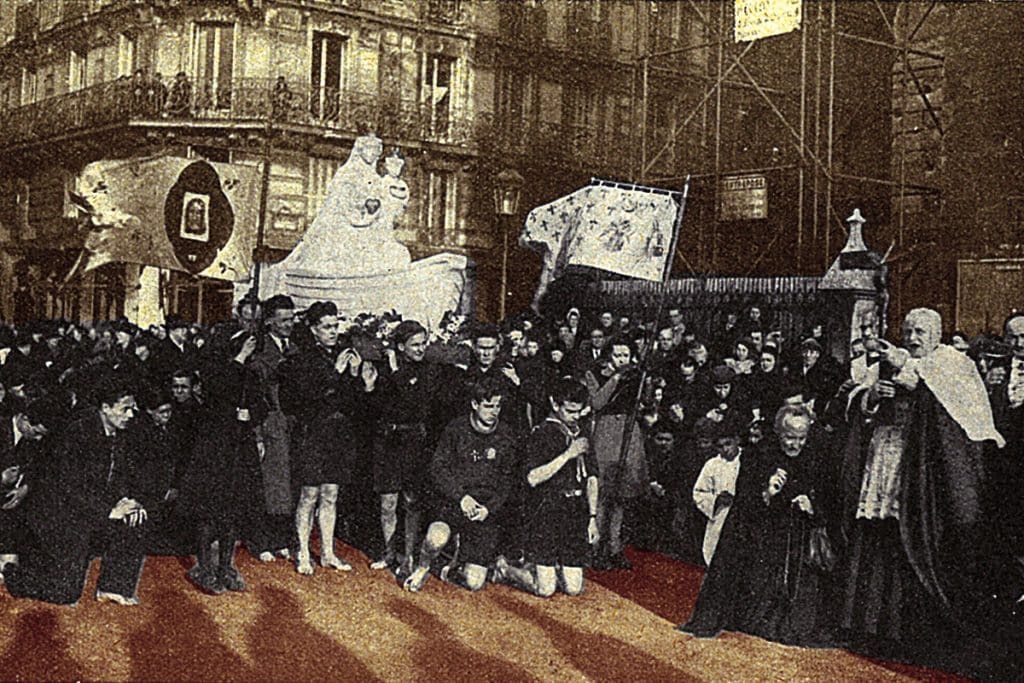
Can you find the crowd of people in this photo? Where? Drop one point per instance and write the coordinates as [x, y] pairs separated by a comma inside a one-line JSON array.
[[875, 499]]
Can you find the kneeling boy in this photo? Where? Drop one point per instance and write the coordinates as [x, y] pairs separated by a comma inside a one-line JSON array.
[[561, 500], [472, 473]]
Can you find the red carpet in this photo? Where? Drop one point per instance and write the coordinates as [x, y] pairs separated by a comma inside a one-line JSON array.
[[669, 588], [361, 626]]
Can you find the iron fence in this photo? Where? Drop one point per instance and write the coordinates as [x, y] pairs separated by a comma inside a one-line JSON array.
[[791, 304]]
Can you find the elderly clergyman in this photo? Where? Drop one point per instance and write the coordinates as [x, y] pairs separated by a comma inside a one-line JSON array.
[[912, 485]]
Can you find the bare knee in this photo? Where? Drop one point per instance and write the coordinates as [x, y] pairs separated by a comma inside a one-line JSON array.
[[476, 576], [308, 496], [329, 495], [438, 534]]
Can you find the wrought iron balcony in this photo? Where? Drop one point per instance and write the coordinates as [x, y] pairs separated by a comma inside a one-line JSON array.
[[445, 11], [574, 146], [184, 102]]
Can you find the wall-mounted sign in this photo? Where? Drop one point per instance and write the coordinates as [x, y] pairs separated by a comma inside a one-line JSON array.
[[743, 198], [763, 18]]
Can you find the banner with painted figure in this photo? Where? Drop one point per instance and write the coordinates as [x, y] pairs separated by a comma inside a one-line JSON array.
[[618, 229], [180, 214]]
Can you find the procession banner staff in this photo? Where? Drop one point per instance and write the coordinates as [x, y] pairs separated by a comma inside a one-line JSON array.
[[627, 430]]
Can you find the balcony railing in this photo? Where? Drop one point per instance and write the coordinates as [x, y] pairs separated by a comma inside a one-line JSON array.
[[186, 103], [560, 144], [128, 101]]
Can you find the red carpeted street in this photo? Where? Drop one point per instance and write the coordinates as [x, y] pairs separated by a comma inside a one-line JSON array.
[[363, 626]]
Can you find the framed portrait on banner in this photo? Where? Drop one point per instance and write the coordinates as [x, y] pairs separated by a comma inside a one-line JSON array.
[[195, 217]]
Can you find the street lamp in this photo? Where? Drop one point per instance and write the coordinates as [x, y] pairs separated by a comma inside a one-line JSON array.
[[507, 188]]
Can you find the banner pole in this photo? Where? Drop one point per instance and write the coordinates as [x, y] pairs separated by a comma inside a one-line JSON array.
[[257, 251], [645, 360]]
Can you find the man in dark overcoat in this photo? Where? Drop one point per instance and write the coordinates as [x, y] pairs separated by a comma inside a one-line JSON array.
[[93, 501]]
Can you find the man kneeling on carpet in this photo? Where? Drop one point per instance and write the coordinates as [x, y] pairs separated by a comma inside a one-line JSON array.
[[472, 474], [560, 524], [93, 501]]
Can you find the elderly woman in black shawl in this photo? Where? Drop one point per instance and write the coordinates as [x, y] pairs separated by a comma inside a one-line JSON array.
[[763, 579]]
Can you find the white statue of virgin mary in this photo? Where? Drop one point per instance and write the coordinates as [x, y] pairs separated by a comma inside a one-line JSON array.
[[352, 234], [350, 255]]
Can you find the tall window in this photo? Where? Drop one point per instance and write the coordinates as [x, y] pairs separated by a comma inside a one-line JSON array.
[[7, 98], [514, 102], [664, 24], [28, 86], [49, 13], [327, 74], [213, 57], [582, 107], [441, 206], [48, 85], [78, 70], [97, 65], [436, 81], [125, 55]]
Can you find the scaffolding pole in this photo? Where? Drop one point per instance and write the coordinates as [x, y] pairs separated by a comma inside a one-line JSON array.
[[803, 151], [718, 135], [814, 105], [829, 136]]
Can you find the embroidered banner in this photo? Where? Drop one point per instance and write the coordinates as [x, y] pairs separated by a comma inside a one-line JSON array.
[[617, 229]]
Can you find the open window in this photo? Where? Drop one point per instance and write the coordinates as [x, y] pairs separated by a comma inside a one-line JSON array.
[[213, 61], [327, 75]]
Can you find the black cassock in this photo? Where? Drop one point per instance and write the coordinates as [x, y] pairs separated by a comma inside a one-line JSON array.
[[760, 580]]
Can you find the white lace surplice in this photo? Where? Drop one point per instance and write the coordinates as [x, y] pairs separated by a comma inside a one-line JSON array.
[[880, 487]]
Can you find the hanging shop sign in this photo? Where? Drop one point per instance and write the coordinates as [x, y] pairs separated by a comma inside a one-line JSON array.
[[763, 18], [743, 198]]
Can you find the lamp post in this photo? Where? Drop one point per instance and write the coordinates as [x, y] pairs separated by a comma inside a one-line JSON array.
[[507, 188]]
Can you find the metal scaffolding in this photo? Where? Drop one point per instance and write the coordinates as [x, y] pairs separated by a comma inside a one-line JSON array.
[[795, 78]]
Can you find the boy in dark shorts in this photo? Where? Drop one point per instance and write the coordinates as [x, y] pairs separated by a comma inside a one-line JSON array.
[[560, 524], [472, 474], [407, 401]]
